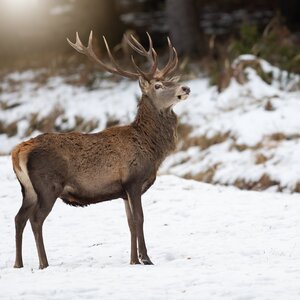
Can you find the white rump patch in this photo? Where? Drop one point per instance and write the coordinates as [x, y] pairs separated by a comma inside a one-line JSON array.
[[23, 176]]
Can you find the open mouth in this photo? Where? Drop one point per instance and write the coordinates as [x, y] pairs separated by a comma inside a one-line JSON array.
[[184, 92], [182, 96]]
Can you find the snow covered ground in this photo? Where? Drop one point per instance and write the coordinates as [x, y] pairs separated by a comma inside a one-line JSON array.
[[207, 242], [245, 134], [248, 135]]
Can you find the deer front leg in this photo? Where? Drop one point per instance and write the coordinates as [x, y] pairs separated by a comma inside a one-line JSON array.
[[134, 199], [133, 252]]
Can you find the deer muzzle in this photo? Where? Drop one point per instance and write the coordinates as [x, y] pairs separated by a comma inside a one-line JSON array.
[[183, 93]]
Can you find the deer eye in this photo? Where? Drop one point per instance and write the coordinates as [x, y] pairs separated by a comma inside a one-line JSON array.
[[157, 86]]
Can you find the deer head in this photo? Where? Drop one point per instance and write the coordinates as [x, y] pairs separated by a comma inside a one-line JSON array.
[[157, 84]]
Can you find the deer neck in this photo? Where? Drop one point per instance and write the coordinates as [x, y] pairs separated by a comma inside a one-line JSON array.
[[156, 128]]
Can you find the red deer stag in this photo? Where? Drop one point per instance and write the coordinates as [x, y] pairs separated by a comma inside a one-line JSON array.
[[119, 162]]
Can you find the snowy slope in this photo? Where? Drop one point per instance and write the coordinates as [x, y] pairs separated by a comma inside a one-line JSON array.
[[248, 135], [207, 242]]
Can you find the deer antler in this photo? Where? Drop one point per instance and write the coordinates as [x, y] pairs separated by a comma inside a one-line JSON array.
[[154, 73], [88, 51], [151, 55], [172, 62]]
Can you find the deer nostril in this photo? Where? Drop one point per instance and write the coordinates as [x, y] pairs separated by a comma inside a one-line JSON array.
[[186, 89]]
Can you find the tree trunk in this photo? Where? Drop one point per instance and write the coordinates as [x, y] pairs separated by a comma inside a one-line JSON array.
[[291, 11], [184, 28]]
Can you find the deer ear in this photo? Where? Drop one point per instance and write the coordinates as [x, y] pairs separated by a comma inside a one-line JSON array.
[[144, 84]]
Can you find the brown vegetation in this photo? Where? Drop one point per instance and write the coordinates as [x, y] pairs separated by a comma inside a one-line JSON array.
[[203, 142], [10, 129], [262, 184], [205, 176]]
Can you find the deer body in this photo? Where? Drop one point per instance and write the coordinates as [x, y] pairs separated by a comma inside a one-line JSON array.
[[81, 169], [113, 157]]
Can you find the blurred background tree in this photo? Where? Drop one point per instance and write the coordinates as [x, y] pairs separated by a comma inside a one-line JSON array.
[[182, 19], [33, 33]]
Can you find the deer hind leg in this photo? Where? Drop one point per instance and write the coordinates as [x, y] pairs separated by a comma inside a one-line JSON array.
[[46, 200], [29, 202], [133, 252], [135, 203]]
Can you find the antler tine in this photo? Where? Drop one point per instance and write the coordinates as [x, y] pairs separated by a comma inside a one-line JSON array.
[[175, 62], [77, 45], [172, 61], [137, 46], [155, 62], [118, 68], [88, 51], [137, 68], [150, 41], [147, 75], [150, 54]]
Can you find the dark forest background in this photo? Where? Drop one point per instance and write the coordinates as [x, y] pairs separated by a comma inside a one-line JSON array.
[[34, 34]]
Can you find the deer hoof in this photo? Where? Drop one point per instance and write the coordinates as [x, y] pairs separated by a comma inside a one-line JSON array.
[[18, 266], [43, 267], [146, 261]]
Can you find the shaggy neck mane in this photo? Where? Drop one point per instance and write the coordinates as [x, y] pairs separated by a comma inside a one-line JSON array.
[[158, 128]]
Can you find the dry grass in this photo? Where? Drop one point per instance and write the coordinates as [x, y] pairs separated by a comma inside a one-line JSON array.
[[10, 129], [269, 106], [5, 105], [112, 121], [46, 124], [263, 183], [205, 176], [281, 136], [237, 71], [203, 142], [297, 188], [260, 159], [82, 125]]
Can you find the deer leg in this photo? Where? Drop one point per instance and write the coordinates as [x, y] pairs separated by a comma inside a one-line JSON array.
[[134, 198], [20, 222], [133, 252], [37, 219]]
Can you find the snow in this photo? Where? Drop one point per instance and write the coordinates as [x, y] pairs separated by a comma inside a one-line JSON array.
[[255, 119], [206, 241], [240, 113]]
